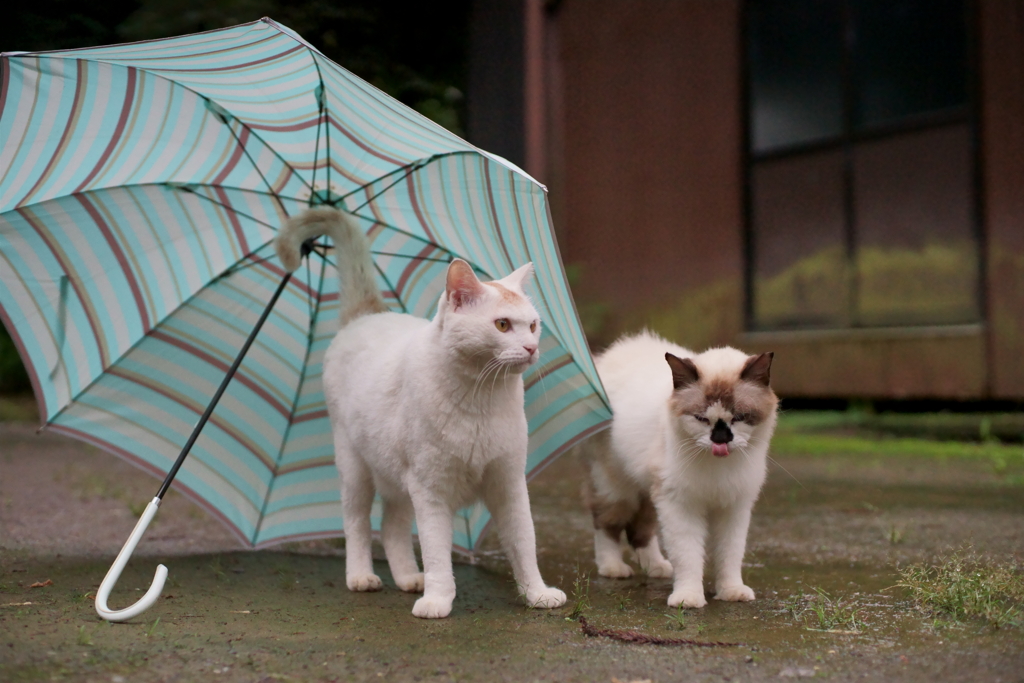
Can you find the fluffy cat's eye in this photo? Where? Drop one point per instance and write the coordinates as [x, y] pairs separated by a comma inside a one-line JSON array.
[[533, 326], [503, 324], [739, 417], [702, 419]]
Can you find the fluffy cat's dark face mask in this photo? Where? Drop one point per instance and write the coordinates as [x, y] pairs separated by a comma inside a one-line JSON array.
[[721, 398]]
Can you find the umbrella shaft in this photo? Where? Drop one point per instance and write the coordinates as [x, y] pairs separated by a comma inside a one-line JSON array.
[[220, 391]]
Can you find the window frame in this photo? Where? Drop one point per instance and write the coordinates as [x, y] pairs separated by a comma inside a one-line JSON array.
[[845, 143]]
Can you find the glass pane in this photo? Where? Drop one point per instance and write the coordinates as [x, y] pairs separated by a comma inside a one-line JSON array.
[[800, 272], [917, 256], [910, 57], [794, 58]]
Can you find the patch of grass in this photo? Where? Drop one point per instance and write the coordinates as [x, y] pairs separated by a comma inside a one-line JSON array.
[[84, 639], [580, 596], [217, 568], [18, 408], [824, 611], [678, 619], [963, 587], [862, 433], [834, 613]]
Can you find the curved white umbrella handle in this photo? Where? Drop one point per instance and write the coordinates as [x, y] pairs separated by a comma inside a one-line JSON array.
[[114, 573]]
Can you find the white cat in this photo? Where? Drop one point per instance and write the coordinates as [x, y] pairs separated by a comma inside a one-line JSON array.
[[687, 449], [428, 413]]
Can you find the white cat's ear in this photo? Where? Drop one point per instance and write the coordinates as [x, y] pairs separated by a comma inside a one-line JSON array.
[[518, 277], [684, 372], [462, 286], [758, 369]]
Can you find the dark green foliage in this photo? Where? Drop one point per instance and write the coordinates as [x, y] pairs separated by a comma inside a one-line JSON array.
[[414, 51], [13, 378]]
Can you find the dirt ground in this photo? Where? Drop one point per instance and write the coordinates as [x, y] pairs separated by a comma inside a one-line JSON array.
[[838, 524]]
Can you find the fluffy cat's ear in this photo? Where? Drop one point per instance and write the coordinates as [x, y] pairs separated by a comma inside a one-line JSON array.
[[518, 277], [462, 286], [684, 372], [758, 369]]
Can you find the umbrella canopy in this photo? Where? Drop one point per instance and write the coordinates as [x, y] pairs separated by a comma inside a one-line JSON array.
[[141, 187]]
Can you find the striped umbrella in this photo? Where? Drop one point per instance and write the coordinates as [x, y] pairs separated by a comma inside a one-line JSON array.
[[141, 187]]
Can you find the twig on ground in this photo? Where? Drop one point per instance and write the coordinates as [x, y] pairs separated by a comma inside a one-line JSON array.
[[644, 639]]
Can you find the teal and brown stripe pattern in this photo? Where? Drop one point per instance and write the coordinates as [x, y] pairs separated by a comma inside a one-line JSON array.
[[141, 187]]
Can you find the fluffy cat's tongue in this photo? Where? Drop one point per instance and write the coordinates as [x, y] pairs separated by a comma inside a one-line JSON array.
[[720, 450]]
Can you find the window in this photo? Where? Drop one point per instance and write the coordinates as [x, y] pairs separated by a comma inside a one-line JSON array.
[[861, 173]]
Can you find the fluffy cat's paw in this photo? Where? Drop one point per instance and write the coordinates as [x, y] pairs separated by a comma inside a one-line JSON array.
[[364, 582], [411, 583], [660, 570], [432, 608], [613, 570], [547, 598], [687, 597], [738, 593]]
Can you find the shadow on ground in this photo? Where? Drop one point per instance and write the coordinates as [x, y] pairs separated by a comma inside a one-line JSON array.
[[837, 524]]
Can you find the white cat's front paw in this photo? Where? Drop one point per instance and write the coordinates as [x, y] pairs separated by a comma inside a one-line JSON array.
[[364, 582], [738, 593], [429, 607], [615, 570], [660, 570], [411, 583], [687, 597], [546, 598]]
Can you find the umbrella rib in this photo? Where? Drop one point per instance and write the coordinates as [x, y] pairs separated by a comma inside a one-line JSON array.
[[415, 237], [407, 168], [320, 122], [326, 117], [295, 401], [411, 256], [71, 400], [252, 161], [163, 183], [185, 188], [177, 84]]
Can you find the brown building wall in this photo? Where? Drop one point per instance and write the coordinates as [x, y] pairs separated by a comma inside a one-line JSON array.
[[652, 148], [649, 162], [1001, 24]]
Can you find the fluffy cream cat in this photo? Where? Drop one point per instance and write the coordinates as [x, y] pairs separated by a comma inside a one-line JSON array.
[[687, 449], [428, 413]]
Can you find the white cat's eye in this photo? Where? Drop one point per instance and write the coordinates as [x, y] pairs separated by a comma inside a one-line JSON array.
[[503, 324], [533, 326], [702, 419], [739, 417]]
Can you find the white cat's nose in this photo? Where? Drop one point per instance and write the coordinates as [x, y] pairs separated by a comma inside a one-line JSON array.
[[530, 349]]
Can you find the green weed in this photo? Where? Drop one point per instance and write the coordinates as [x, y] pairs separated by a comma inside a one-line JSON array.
[[84, 639], [834, 613], [679, 618], [964, 587], [828, 613], [580, 596], [217, 568]]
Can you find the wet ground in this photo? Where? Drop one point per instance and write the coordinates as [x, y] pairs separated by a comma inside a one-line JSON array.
[[836, 523]]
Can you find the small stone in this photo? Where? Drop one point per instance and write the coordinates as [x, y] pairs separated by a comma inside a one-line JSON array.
[[796, 672]]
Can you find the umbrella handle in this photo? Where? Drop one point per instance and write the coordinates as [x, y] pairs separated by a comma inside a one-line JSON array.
[[114, 573]]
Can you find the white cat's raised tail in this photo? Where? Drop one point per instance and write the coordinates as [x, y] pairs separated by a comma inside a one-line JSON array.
[[430, 415]]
